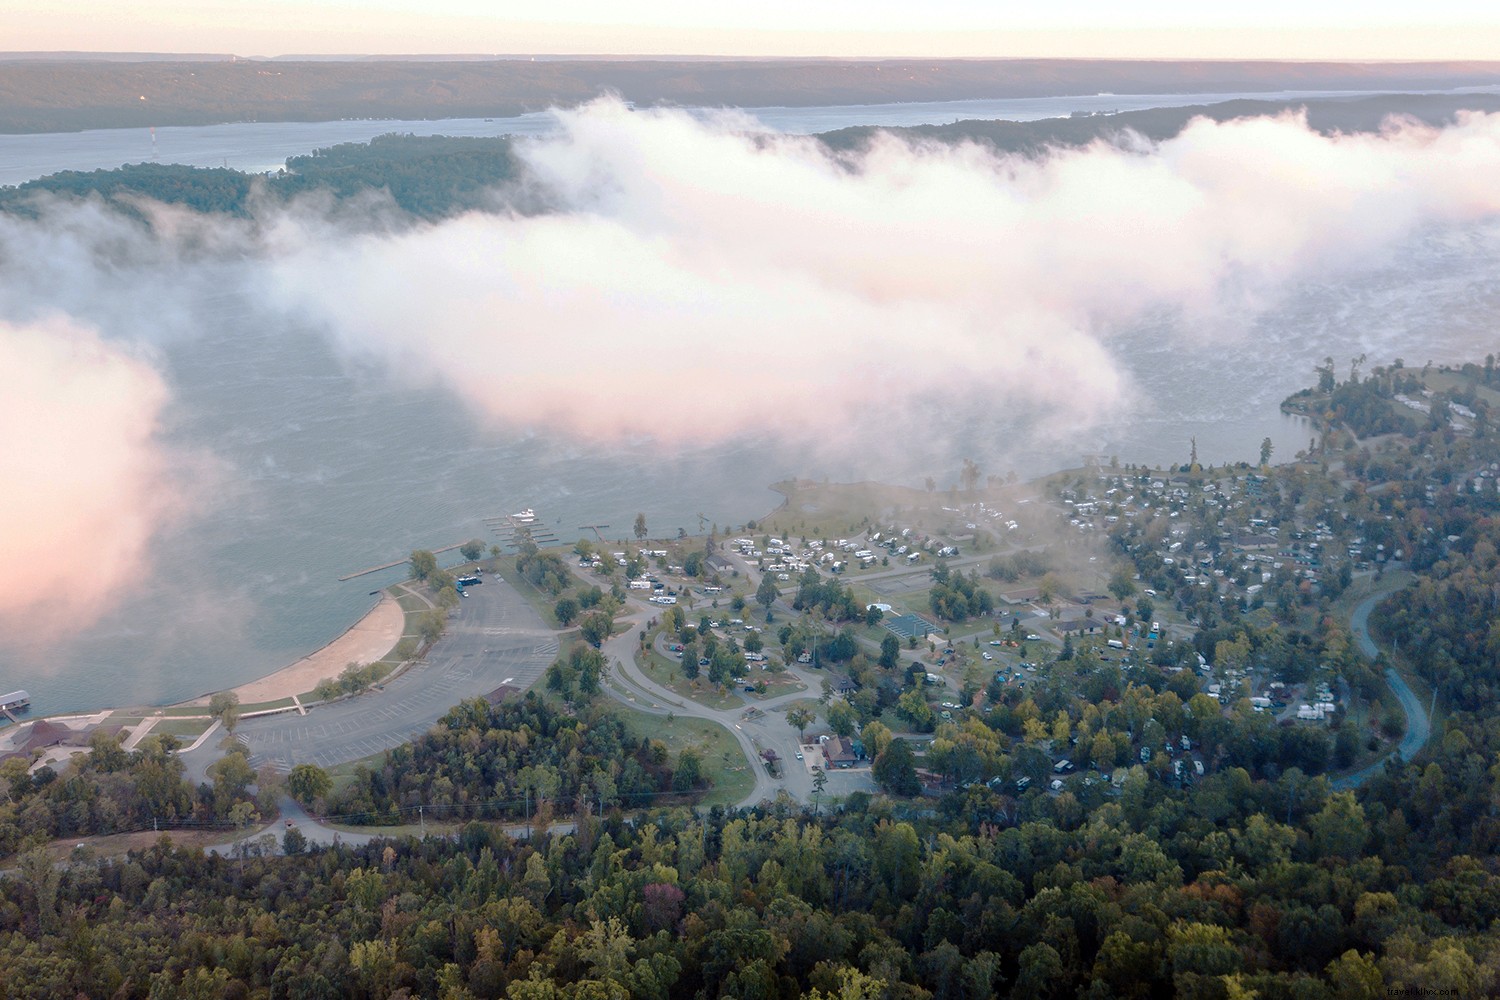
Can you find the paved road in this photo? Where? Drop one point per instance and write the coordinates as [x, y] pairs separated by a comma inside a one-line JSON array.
[[765, 727], [1418, 724], [496, 638], [318, 834]]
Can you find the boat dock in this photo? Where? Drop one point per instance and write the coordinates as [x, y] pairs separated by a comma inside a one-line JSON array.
[[511, 528], [16, 701]]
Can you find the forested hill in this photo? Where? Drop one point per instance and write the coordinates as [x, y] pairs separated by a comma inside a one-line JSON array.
[[426, 176], [1363, 115], [63, 95]]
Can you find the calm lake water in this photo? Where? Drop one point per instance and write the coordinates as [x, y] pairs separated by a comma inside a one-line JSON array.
[[326, 467]]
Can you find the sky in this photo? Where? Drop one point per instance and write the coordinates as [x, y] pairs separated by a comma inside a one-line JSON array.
[[1275, 29]]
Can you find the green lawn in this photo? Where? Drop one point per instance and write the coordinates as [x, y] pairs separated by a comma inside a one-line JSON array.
[[777, 684], [668, 673], [411, 604], [724, 763], [184, 729]]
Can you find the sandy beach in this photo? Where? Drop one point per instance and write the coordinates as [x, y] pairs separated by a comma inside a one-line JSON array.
[[367, 640]]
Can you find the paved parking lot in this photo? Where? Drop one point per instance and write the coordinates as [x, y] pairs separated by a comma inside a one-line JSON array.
[[497, 639]]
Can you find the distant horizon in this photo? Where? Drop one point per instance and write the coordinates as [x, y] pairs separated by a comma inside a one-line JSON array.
[[103, 55], [1274, 30]]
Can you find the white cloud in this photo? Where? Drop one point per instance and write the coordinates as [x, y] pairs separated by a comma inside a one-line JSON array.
[[87, 482], [700, 280]]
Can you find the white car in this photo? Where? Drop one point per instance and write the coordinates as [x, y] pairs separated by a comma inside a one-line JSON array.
[[989, 656]]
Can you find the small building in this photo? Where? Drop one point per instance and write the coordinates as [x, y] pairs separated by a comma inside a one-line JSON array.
[[839, 752], [909, 625], [1082, 626], [16, 701]]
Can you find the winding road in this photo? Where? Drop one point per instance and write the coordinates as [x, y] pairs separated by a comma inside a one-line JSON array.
[[756, 727], [1418, 723]]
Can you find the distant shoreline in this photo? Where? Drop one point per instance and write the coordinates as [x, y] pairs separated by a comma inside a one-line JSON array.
[[62, 95]]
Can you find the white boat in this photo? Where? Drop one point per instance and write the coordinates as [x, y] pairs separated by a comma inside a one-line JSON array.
[[525, 517]]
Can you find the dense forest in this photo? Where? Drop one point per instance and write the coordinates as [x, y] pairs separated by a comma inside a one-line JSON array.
[[1326, 116], [425, 176], [495, 761], [1242, 889], [113, 790]]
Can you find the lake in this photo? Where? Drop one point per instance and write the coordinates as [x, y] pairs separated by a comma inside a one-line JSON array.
[[257, 147], [327, 467]]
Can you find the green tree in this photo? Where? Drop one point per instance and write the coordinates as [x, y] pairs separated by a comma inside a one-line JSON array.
[[689, 773], [307, 783], [472, 549], [1339, 828], [231, 775], [566, 610], [225, 706], [799, 717], [1266, 447], [431, 624], [890, 651], [895, 769], [595, 627], [842, 718], [766, 594], [423, 564], [640, 526]]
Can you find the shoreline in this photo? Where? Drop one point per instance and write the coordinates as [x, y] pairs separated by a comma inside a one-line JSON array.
[[372, 637]]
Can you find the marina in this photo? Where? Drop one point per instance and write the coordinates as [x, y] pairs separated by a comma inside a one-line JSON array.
[[512, 528]]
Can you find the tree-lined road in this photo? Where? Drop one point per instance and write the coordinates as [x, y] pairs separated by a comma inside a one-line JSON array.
[[1418, 723]]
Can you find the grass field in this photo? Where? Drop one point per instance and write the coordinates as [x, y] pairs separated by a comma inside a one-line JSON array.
[[724, 764], [668, 673], [411, 604], [834, 510]]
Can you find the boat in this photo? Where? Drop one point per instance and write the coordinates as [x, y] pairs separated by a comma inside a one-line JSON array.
[[525, 517]]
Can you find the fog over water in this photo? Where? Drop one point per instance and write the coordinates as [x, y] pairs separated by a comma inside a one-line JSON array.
[[328, 399]]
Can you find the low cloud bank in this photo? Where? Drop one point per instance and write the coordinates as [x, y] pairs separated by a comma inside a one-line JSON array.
[[699, 280], [87, 481]]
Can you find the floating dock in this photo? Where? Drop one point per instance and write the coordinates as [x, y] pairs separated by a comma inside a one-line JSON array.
[[511, 527]]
